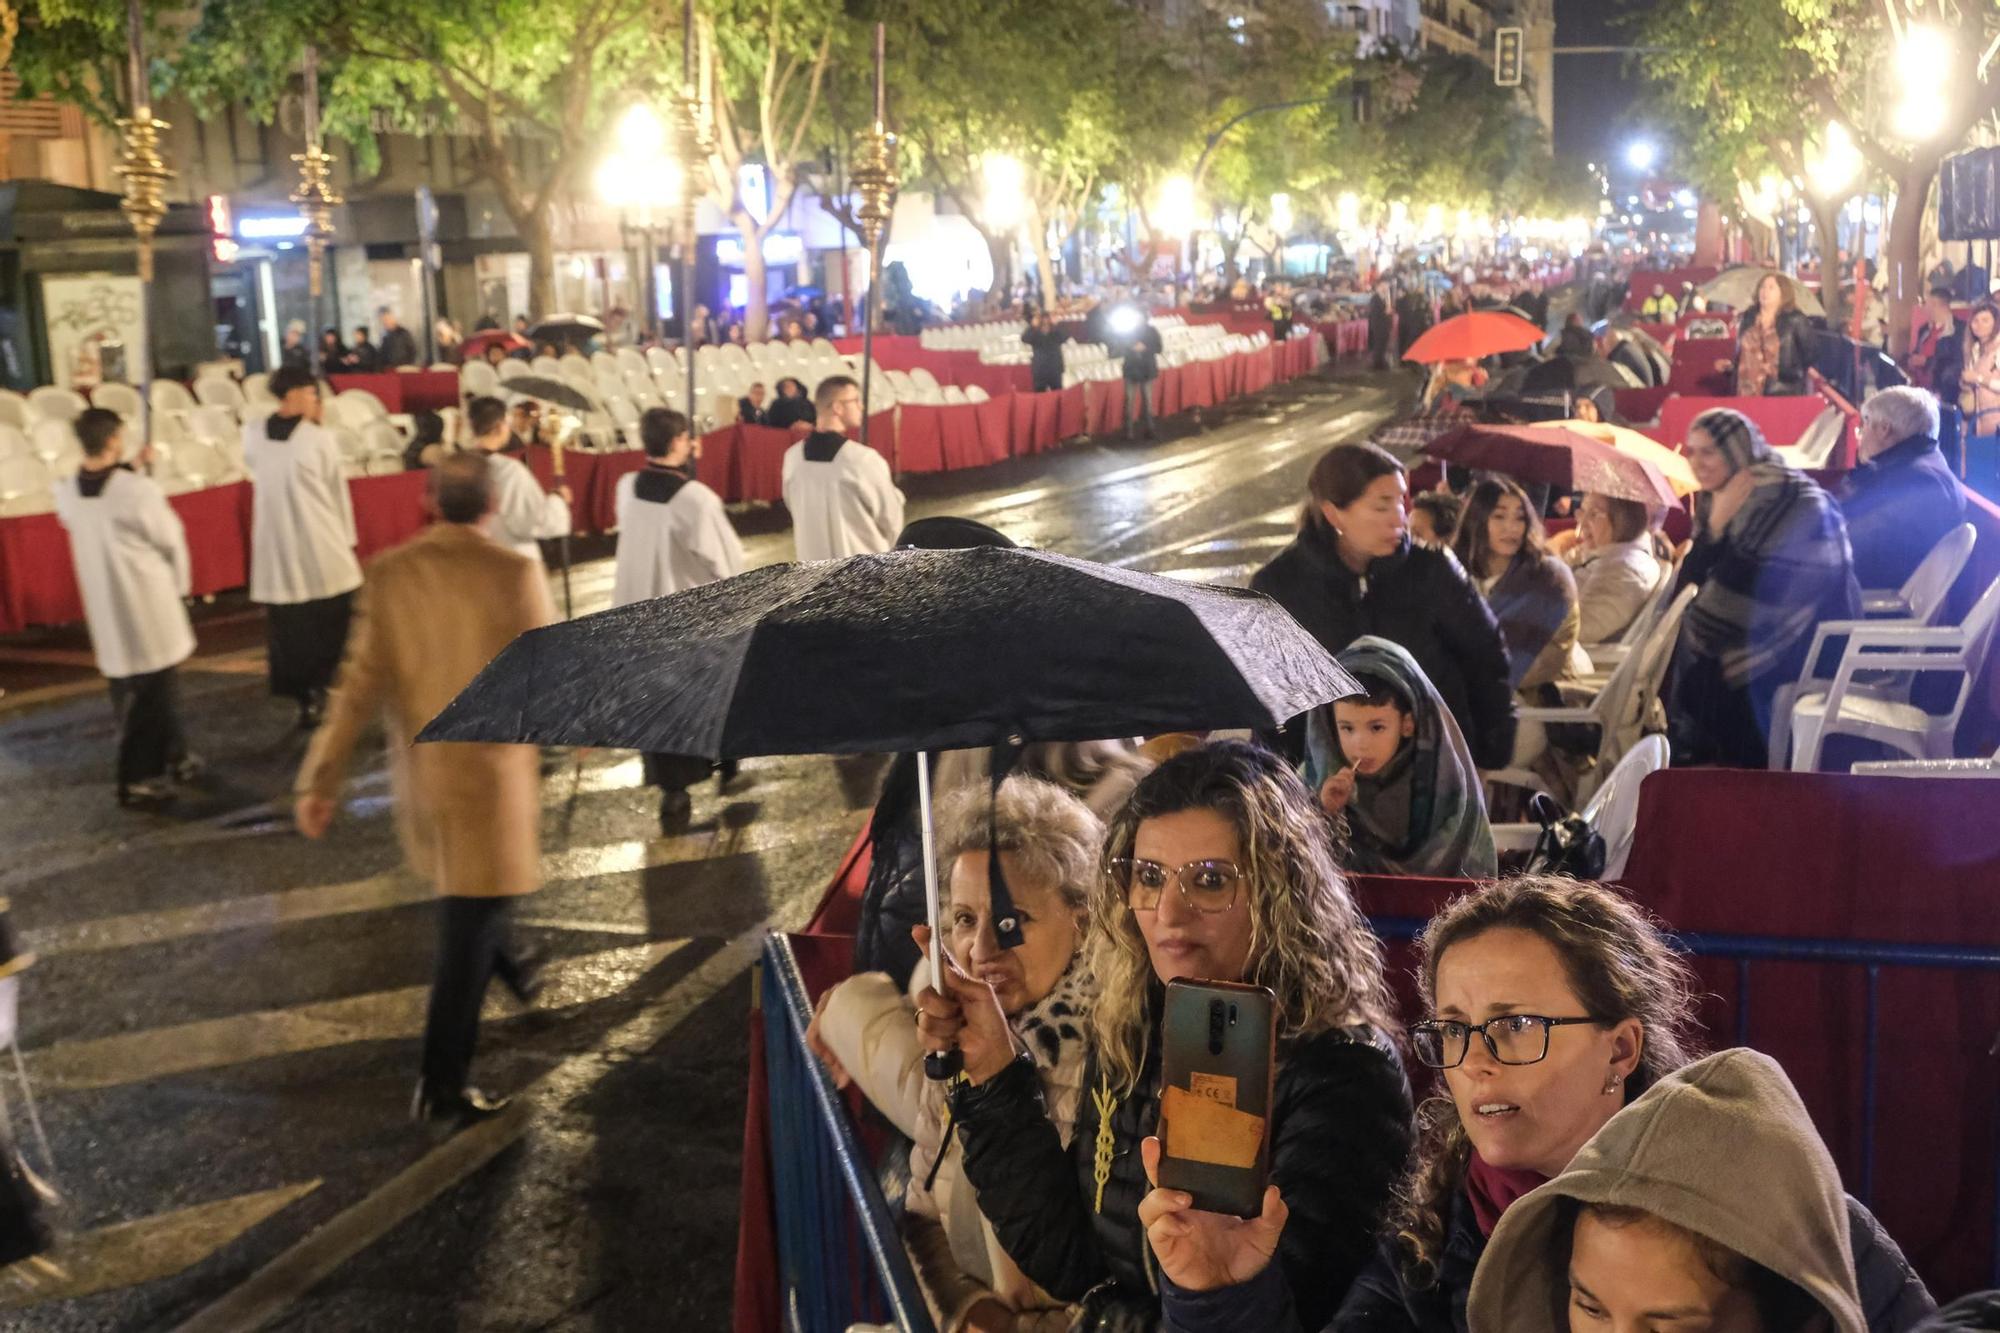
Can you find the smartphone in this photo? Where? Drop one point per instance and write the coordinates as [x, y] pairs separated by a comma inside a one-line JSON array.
[[1218, 1049]]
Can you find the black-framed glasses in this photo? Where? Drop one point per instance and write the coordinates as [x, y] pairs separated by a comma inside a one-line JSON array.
[[1206, 886], [1514, 1039]]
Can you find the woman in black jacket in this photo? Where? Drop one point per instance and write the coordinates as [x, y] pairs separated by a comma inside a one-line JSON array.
[[1774, 343], [1352, 570], [1220, 866]]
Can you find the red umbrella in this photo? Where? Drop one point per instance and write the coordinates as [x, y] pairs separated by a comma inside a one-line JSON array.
[[1470, 337], [1558, 456], [476, 345]]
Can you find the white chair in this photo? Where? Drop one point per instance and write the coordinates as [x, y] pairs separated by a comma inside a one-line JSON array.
[[547, 366], [605, 368], [1923, 593], [476, 378], [1614, 810], [218, 392], [364, 403], [49, 403], [52, 440], [14, 409], [1621, 712], [953, 394], [975, 394], [658, 361], [257, 395], [24, 480], [380, 439], [14, 442], [120, 398], [199, 463], [1812, 449], [624, 415], [575, 368], [170, 396], [214, 426], [1881, 710], [512, 368]]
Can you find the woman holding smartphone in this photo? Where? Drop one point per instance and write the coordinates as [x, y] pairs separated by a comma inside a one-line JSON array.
[[1219, 867]]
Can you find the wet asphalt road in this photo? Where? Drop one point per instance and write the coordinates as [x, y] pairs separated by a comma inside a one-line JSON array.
[[222, 1026]]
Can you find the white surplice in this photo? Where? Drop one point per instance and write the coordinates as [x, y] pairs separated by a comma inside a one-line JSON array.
[[666, 547], [132, 566], [523, 513], [301, 516], [847, 505]]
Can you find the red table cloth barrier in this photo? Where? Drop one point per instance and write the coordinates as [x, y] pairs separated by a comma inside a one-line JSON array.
[[1640, 406], [598, 507], [405, 390], [760, 462], [1072, 411], [579, 471], [920, 438], [387, 510]]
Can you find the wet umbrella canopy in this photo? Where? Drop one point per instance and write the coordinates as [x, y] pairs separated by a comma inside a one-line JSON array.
[[548, 390], [912, 650]]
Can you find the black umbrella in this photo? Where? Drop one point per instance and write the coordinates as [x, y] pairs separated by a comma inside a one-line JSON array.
[[550, 390], [560, 329], [913, 650]]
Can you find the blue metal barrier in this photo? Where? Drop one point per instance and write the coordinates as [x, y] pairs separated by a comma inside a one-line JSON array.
[[840, 1258], [1874, 955]]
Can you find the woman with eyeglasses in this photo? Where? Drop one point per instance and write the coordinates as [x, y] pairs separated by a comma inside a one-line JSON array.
[[1218, 867], [1553, 1003]]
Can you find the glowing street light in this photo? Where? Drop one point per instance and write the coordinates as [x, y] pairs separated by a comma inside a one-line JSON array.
[[1641, 154], [1174, 211], [1281, 214], [639, 176], [1004, 183], [1348, 207], [1834, 168]]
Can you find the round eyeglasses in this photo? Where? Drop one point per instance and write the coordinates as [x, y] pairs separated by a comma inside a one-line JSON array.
[[1513, 1039], [1206, 886]]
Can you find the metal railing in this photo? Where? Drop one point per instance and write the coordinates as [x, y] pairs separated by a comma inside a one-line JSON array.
[[1870, 955], [840, 1259]]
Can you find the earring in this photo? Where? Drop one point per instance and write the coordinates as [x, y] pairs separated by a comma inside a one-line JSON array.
[[1613, 1083]]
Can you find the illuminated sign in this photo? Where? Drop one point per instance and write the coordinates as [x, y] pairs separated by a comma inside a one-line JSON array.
[[779, 248], [273, 227]]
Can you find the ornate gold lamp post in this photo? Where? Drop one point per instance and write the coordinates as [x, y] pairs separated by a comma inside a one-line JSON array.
[[875, 184], [145, 175], [693, 142], [316, 200]]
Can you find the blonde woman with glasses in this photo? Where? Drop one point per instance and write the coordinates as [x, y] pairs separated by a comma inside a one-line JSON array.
[[1220, 867]]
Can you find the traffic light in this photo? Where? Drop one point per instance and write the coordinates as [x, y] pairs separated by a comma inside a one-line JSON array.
[[1507, 48]]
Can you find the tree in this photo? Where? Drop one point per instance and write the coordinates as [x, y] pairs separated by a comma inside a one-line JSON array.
[[765, 67], [1844, 62], [74, 51], [531, 85]]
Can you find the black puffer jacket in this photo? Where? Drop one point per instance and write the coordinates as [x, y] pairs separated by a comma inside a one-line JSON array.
[[1340, 1137], [1797, 344], [1419, 598]]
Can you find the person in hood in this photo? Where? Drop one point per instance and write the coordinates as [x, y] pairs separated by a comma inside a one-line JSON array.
[[843, 499], [132, 567], [1219, 866], [1047, 842], [1709, 1202], [1392, 764], [302, 563], [1902, 500], [1353, 570]]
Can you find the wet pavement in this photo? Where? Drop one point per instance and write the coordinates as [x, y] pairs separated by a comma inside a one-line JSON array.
[[222, 1026]]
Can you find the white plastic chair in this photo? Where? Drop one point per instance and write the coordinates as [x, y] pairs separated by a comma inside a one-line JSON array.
[[120, 398], [1811, 450], [1614, 810], [975, 394], [1883, 712], [547, 366], [24, 483], [199, 463], [365, 404], [218, 392], [49, 403], [1620, 712], [14, 410], [1923, 593], [170, 396], [213, 425], [513, 368], [476, 378]]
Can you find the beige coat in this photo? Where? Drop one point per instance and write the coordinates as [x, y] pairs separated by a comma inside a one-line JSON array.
[[430, 614], [870, 1028]]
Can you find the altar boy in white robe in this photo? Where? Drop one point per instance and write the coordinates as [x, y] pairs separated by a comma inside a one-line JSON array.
[[523, 513], [302, 563], [673, 534], [132, 566], [842, 497]]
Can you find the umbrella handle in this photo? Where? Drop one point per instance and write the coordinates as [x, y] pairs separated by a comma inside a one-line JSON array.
[[938, 1065]]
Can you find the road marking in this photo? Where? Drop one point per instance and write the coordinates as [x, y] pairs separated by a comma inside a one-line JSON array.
[[139, 1057], [313, 1258], [127, 1254]]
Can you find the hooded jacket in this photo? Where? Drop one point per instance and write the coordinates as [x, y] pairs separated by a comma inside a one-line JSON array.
[[1725, 1149]]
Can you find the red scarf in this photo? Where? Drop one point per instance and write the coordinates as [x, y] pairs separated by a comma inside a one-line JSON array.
[[1493, 1188]]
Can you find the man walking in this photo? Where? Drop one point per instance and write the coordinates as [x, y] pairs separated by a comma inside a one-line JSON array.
[[842, 497], [673, 534], [433, 612], [523, 512], [399, 346], [302, 565], [132, 566]]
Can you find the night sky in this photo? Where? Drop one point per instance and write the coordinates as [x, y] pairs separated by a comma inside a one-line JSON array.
[[1594, 95]]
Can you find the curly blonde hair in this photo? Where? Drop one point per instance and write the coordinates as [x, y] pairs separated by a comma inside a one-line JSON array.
[[1308, 941], [1620, 965], [1051, 833]]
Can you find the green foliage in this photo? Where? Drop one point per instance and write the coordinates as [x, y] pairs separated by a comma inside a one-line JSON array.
[[74, 50]]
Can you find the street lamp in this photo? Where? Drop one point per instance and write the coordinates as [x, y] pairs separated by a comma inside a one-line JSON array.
[[1923, 62], [1641, 154], [1833, 169], [1173, 214], [638, 177], [1004, 183]]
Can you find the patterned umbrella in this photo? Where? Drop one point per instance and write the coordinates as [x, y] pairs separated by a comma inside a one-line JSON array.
[[1559, 457]]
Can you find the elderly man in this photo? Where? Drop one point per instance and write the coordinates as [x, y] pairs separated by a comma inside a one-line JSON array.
[[432, 613], [1903, 498]]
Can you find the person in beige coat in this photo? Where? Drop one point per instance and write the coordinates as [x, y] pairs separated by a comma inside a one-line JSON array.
[[430, 615], [1709, 1201], [866, 1033]]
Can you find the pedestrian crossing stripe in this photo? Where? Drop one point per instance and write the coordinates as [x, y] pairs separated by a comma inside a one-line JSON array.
[[125, 1254], [154, 1053]]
